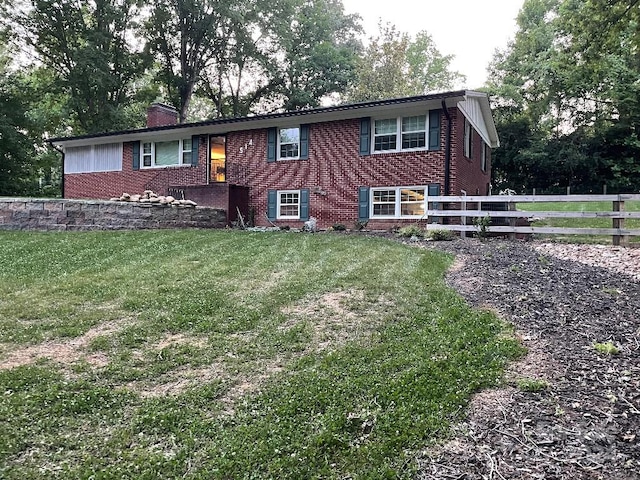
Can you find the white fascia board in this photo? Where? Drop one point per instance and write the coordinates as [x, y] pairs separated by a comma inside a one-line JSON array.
[[484, 125]]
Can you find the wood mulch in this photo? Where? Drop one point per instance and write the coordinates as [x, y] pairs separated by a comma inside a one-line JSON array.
[[562, 300]]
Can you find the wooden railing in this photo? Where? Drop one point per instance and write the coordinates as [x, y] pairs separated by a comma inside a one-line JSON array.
[[469, 211]]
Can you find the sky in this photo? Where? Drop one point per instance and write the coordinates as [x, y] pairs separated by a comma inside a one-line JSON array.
[[470, 30]]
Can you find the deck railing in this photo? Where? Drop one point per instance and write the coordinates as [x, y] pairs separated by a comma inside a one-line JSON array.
[[468, 208]]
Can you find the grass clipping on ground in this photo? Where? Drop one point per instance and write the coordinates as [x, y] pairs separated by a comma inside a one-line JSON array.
[[231, 355]]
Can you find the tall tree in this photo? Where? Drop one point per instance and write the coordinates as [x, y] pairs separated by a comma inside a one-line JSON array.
[[396, 65], [568, 85], [253, 56], [89, 47]]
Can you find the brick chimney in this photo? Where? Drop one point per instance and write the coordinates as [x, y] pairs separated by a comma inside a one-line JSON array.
[[159, 114]]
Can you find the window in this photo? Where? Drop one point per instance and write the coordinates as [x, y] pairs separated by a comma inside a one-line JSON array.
[[288, 204], [468, 139], [398, 202], [289, 143], [93, 158], [397, 134], [483, 158], [166, 154]]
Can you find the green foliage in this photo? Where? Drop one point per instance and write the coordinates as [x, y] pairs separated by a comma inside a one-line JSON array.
[[606, 348], [242, 309], [568, 102], [396, 65], [411, 231], [440, 235], [482, 224], [532, 384], [87, 48], [339, 227]]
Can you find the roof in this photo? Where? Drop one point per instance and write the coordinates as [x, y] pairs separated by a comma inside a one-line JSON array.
[[323, 114]]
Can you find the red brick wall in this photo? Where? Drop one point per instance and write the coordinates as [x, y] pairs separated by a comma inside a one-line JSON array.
[[333, 172], [466, 173], [159, 115], [104, 185]]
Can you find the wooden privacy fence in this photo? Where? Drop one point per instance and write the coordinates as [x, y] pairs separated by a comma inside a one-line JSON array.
[[462, 212]]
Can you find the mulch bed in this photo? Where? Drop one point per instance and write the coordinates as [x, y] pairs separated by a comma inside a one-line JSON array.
[[586, 423]]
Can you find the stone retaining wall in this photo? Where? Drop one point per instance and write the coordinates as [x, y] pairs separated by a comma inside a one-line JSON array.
[[83, 215]]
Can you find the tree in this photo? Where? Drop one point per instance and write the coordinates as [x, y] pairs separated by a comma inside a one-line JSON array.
[[16, 148], [87, 46], [568, 85], [395, 65], [254, 56]]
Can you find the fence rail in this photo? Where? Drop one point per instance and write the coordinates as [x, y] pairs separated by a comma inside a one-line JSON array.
[[462, 207]]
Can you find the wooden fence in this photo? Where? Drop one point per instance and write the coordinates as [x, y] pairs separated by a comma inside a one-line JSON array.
[[466, 209]]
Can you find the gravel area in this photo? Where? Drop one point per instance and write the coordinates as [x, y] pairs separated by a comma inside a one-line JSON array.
[[584, 423]]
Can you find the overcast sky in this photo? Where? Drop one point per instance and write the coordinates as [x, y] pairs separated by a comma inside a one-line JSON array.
[[470, 30]]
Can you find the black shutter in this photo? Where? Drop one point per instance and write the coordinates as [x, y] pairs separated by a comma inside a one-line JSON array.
[[136, 155], [365, 136], [304, 204], [363, 203], [272, 204], [304, 142], [434, 130], [271, 144], [195, 144]]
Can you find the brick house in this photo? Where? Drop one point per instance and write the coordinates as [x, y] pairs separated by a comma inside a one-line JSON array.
[[375, 161]]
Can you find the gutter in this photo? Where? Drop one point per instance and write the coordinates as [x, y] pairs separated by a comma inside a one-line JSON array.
[[447, 156], [62, 165]]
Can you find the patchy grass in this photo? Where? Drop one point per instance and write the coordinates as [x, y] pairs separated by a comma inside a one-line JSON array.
[[606, 348], [631, 206], [212, 354]]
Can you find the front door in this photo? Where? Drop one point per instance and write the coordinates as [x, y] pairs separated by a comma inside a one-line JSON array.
[[217, 159]]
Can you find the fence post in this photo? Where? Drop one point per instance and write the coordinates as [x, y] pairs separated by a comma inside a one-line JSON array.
[[512, 220], [463, 234], [621, 240]]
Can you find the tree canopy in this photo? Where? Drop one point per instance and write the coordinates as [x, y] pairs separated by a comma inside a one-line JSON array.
[[568, 97], [396, 65]]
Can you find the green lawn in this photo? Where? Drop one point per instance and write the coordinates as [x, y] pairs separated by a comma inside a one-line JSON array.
[[215, 354], [633, 206]]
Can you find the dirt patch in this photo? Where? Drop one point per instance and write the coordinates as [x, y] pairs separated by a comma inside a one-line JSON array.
[[336, 318], [64, 352], [177, 381], [174, 339]]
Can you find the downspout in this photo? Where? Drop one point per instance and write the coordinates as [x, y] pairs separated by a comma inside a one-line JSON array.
[[62, 169], [447, 155]]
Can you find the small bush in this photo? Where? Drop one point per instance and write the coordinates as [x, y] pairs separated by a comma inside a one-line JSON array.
[[607, 348], [440, 235], [338, 227], [411, 231], [531, 384]]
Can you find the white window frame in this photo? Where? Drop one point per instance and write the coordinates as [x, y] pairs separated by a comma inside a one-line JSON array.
[[279, 203], [279, 143], [398, 201], [180, 151], [399, 134], [483, 158], [468, 139]]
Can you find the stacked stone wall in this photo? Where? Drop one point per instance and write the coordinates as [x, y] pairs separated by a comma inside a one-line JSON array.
[[86, 215]]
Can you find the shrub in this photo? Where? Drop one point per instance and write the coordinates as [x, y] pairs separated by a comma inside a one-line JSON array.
[[440, 235], [338, 227], [532, 384], [607, 348], [411, 231]]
